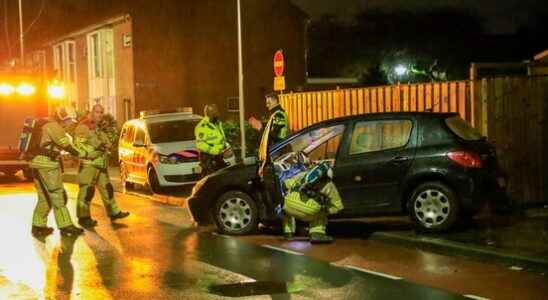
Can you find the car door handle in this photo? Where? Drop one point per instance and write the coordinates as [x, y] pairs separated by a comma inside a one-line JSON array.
[[400, 159]]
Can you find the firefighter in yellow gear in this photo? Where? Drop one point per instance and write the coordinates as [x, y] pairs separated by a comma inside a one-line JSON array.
[[46, 167], [211, 141], [275, 131], [313, 202], [93, 173]]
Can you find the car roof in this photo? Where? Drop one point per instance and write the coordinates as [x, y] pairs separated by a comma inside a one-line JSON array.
[[386, 115], [365, 117]]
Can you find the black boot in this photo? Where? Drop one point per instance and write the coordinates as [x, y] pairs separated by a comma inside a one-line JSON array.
[[87, 223], [320, 238], [71, 231], [41, 232], [120, 215]]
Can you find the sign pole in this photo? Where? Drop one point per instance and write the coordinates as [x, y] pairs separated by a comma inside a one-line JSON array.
[[241, 83], [21, 33]]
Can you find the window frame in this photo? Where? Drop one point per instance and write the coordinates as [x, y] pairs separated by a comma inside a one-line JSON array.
[[307, 131]]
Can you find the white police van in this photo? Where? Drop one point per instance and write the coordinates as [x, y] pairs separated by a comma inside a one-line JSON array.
[[158, 150]]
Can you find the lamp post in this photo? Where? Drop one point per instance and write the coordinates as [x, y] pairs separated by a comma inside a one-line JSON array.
[[21, 33], [241, 83]]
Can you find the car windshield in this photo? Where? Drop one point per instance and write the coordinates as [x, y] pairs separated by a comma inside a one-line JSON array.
[[459, 127], [172, 131]]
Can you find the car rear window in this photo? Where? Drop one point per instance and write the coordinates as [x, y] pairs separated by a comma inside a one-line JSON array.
[[461, 128], [172, 131]]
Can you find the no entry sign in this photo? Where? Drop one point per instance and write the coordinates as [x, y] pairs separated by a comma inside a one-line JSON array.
[[279, 63]]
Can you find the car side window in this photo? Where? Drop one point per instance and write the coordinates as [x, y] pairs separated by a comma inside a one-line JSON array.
[[372, 136], [319, 144], [328, 150]]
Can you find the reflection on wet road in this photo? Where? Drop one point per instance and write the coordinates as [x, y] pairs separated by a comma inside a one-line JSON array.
[[157, 254]]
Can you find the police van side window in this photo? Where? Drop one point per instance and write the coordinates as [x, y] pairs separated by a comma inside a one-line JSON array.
[[130, 134], [140, 136]]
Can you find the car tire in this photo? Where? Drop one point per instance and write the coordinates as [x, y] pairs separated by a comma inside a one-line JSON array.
[[434, 207], [123, 178], [152, 180], [235, 213]]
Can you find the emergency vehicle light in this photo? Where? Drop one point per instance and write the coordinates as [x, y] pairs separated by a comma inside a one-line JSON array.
[[6, 89], [56, 91], [25, 89]]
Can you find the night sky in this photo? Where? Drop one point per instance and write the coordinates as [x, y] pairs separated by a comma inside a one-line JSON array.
[[501, 16]]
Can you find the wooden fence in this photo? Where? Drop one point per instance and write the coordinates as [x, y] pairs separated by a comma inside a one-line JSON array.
[[310, 107], [510, 111]]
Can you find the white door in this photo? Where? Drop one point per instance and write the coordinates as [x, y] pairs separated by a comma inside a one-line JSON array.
[[101, 70]]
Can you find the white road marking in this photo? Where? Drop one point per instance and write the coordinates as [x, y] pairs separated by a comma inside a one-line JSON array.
[[373, 272], [282, 250], [476, 297], [516, 268]]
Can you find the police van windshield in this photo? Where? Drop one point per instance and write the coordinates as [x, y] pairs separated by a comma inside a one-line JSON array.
[[172, 131]]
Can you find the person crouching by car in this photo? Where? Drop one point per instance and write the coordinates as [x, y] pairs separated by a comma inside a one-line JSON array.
[[211, 141]]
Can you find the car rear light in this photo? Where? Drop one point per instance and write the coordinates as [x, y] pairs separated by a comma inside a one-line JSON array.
[[466, 159]]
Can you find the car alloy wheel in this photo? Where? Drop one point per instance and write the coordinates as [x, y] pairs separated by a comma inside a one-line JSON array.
[[432, 208], [236, 213]]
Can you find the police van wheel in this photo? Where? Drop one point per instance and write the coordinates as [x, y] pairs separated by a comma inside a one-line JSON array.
[[153, 183], [235, 213]]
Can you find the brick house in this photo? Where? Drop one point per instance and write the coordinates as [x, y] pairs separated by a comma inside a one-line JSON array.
[[166, 54]]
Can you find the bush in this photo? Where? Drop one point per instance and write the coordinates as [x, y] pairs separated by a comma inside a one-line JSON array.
[[253, 138]]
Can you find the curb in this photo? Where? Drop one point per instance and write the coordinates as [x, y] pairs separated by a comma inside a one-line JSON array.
[[444, 247]]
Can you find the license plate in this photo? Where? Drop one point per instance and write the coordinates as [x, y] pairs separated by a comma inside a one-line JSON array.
[[502, 182], [197, 170]]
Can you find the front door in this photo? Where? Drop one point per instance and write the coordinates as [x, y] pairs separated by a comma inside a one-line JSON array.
[[101, 70], [373, 165]]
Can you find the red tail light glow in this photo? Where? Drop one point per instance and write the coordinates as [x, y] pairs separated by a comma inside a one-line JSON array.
[[466, 159]]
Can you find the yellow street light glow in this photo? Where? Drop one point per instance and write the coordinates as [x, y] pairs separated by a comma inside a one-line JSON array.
[[25, 89], [6, 89], [56, 91]]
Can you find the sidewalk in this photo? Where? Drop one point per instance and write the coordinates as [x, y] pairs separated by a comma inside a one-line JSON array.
[[518, 241]]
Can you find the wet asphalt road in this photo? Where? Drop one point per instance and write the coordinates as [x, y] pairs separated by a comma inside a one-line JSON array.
[[157, 254]]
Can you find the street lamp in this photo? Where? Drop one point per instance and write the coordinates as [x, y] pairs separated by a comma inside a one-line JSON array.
[[400, 70]]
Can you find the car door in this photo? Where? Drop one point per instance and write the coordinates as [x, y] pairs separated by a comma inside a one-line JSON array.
[[320, 143], [373, 162]]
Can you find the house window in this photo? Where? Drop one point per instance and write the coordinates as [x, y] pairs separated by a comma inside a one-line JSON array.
[[233, 104], [64, 61], [95, 59]]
